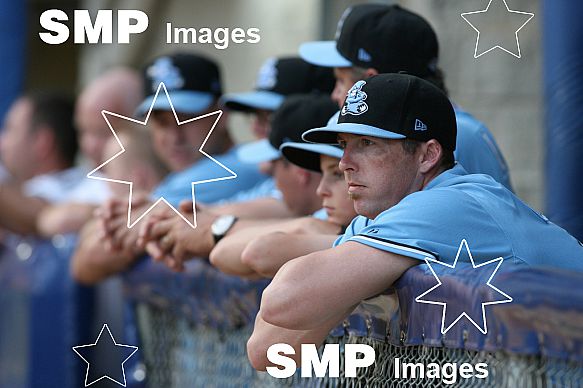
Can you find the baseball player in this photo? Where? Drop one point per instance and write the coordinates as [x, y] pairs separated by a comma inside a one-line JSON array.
[[171, 240], [260, 252], [413, 202], [277, 79], [376, 38]]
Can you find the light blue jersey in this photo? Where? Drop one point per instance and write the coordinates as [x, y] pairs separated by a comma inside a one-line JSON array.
[[477, 150], [177, 187], [321, 215], [264, 189], [456, 206]]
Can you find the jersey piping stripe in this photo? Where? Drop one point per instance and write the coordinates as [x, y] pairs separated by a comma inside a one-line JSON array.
[[395, 245]]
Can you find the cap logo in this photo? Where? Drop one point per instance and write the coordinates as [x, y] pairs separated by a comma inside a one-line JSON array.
[[420, 125], [267, 76], [363, 55], [163, 70], [354, 103]]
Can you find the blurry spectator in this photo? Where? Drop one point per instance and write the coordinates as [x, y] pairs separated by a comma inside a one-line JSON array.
[[119, 91], [38, 147], [138, 164], [277, 78]]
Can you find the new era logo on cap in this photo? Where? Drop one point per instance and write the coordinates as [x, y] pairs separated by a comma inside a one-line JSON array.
[[420, 125], [363, 55]]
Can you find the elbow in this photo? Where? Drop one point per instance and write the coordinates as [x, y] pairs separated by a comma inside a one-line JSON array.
[[80, 271], [282, 305], [254, 257], [215, 257], [45, 225]]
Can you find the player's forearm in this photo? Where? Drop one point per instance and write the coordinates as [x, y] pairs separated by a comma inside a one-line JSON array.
[[329, 274], [61, 219], [267, 254], [265, 334], [19, 213], [92, 262], [226, 256], [263, 208]]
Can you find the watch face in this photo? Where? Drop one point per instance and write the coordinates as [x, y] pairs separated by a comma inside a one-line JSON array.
[[222, 224]]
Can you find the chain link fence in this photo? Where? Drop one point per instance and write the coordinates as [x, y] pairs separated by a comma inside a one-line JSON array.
[[179, 351]]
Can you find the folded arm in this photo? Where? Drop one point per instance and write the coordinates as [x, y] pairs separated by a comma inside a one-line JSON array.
[[310, 290]]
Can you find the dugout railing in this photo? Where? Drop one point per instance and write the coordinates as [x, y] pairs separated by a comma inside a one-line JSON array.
[[192, 328]]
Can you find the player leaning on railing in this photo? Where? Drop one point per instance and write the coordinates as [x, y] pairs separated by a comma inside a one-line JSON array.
[[413, 201]]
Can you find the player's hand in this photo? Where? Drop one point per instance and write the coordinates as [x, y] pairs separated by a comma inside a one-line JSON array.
[[114, 223], [173, 241]]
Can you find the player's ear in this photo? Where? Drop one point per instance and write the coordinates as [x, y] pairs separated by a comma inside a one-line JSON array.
[[370, 72], [44, 142], [430, 156], [302, 175]]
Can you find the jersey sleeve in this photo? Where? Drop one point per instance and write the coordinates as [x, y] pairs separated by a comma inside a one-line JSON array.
[[357, 223]]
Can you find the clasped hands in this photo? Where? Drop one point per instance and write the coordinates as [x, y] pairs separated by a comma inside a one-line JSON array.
[[161, 233]]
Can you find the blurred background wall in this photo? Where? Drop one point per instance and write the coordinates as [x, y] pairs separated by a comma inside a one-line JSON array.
[[502, 91]]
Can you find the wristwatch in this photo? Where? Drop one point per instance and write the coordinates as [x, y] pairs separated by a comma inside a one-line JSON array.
[[222, 225]]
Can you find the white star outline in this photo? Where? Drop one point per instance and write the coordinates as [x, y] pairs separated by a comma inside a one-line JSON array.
[[161, 86], [484, 304], [116, 344], [519, 55]]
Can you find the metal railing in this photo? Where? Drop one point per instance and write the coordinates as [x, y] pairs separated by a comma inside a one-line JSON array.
[[535, 341]]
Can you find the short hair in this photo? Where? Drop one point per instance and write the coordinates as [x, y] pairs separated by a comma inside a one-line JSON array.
[[55, 111], [437, 77], [446, 162]]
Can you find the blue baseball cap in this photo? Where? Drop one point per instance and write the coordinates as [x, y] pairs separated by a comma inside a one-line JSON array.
[[192, 81], [393, 106], [307, 155], [297, 114], [279, 78], [388, 38]]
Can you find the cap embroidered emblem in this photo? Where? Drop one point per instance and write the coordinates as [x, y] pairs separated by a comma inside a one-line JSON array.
[[354, 104], [163, 70], [267, 77]]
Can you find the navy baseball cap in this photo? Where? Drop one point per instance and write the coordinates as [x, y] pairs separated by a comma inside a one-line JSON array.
[[297, 114], [388, 38], [278, 78], [393, 106], [307, 155], [193, 83]]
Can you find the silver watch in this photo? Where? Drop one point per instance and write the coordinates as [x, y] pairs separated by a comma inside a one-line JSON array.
[[221, 226]]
